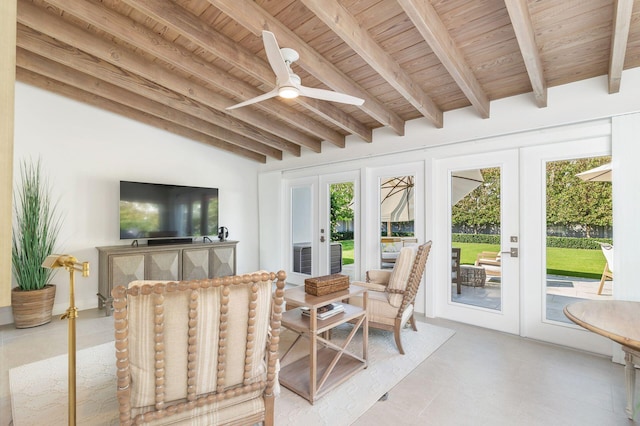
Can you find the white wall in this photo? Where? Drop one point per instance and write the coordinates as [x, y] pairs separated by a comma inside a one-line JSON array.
[[86, 152]]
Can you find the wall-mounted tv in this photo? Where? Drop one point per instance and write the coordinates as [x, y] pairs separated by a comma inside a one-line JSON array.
[[152, 210]]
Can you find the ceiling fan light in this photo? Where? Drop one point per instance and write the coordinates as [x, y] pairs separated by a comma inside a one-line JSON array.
[[288, 92]]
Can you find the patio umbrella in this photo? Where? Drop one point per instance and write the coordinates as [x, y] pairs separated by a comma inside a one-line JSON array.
[[598, 174], [463, 182], [396, 194], [396, 199]]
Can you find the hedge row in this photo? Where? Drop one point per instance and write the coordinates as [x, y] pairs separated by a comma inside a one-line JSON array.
[[577, 243], [561, 242], [476, 238]]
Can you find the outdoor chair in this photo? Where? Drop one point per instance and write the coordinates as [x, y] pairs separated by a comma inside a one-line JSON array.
[[607, 250], [390, 248], [198, 352], [490, 261], [391, 295]]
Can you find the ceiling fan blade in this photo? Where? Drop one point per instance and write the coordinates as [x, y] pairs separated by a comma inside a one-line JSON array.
[[328, 95], [275, 57], [263, 97]]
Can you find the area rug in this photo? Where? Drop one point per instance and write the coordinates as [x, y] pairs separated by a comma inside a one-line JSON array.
[[39, 390]]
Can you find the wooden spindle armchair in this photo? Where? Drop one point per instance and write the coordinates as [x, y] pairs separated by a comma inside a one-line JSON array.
[[392, 293], [198, 352]]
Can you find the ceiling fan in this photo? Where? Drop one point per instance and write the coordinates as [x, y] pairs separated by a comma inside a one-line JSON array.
[[288, 84]]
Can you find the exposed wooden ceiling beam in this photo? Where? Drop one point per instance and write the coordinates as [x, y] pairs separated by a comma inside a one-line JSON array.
[[90, 98], [621, 25], [59, 52], [46, 67], [126, 29], [255, 19], [435, 33], [183, 22], [341, 22], [47, 23], [523, 27]]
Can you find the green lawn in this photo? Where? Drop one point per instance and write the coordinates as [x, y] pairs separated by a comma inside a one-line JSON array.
[[347, 251], [575, 262], [560, 261], [469, 251]]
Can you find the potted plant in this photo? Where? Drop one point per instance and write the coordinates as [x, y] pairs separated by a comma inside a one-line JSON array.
[[35, 232]]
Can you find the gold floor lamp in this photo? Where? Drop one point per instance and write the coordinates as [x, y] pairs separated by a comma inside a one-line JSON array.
[[71, 264]]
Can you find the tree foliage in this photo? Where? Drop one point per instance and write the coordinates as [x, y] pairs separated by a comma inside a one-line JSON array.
[[571, 201], [341, 203]]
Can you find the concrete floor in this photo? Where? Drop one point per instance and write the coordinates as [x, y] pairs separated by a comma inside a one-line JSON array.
[[484, 377]]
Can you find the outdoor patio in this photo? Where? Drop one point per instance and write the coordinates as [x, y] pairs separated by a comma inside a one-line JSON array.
[[560, 292]]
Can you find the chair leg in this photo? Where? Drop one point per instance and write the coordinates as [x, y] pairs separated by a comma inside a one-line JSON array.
[[603, 279], [396, 333], [269, 411], [412, 320]]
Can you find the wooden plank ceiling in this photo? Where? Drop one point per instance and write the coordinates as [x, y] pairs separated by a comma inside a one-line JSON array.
[[178, 65]]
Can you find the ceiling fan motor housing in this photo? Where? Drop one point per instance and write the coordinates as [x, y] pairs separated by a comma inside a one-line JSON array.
[[289, 55]]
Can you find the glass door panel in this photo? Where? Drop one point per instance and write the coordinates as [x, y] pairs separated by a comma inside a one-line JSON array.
[[342, 229], [579, 228], [475, 237], [302, 227], [397, 217]]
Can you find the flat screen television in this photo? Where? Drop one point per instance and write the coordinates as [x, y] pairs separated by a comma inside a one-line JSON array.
[[152, 210]]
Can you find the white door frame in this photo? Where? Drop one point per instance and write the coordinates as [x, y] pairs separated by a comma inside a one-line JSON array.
[[506, 319], [533, 220]]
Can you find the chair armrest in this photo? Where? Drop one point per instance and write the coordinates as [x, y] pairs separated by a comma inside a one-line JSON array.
[[370, 286], [379, 276]]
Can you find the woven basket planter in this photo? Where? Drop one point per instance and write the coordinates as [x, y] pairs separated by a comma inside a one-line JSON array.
[[32, 308]]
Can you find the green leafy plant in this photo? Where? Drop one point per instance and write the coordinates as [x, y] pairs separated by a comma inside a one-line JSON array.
[[36, 228]]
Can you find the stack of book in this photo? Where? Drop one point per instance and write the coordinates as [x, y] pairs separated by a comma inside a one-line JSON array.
[[324, 312]]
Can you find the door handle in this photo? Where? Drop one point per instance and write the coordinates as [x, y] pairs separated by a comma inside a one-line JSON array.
[[322, 238], [513, 252]]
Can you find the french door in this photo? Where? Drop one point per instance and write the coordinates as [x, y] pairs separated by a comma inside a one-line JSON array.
[[476, 207], [324, 226], [508, 284], [544, 294]]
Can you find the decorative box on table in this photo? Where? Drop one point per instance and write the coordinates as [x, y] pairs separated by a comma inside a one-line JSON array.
[[319, 286]]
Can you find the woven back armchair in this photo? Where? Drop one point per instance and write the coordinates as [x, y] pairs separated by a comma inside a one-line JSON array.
[[198, 352], [392, 293]]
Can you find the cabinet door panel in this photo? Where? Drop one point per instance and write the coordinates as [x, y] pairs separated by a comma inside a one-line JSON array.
[[125, 269], [195, 264], [163, 265], [224, 261]]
